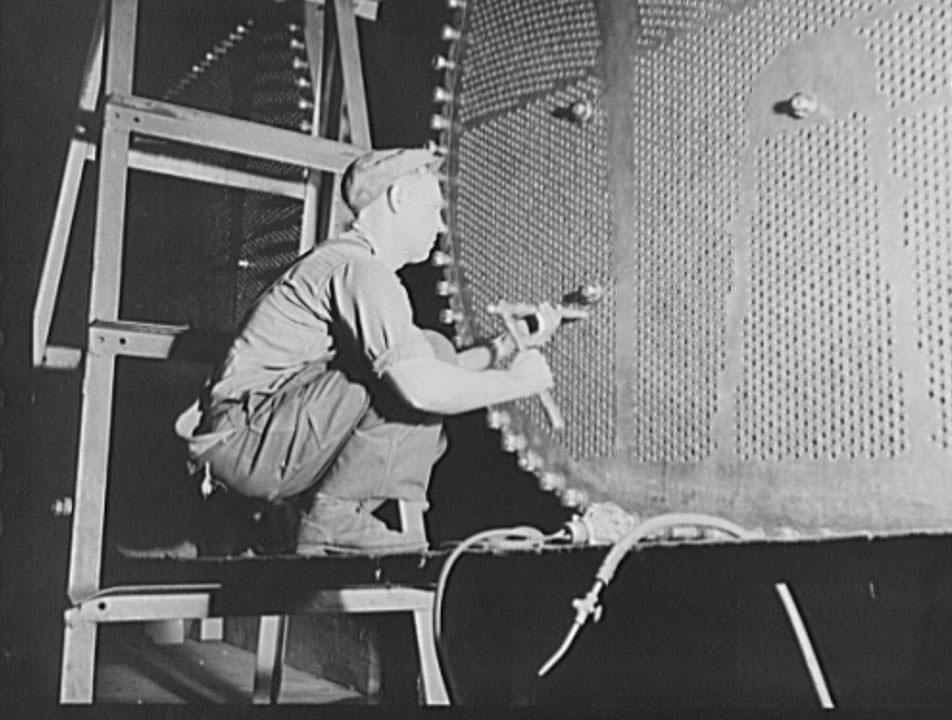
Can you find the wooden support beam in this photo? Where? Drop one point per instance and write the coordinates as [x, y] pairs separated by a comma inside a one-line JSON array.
[[55, 258], [269, 659], [352, 68], [314, 39], [174, 122]]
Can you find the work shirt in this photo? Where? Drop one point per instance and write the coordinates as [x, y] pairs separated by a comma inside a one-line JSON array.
[[339, 293]]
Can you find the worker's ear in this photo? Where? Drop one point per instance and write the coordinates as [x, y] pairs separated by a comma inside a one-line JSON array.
[[394, 197]]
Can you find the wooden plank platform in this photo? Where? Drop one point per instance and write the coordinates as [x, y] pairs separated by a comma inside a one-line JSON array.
[[133, 669]]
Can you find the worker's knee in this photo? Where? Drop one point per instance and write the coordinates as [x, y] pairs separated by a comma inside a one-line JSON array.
[[441, 346]]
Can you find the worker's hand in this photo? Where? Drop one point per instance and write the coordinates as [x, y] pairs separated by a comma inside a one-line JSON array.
[[531, 369], [536, 330]]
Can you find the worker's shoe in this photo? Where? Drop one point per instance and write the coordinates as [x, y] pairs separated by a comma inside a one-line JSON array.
[[334, 526]]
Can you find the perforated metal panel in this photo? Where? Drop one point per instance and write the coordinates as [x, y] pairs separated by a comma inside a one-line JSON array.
[[913, 51], [524, 48], [777, 185], [555, 184], [820, 379], [921, 157]]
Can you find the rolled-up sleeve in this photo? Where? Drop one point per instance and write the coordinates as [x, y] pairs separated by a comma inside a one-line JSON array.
[[373, 307]]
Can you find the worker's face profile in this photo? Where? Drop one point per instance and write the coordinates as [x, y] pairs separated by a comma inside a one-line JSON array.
[[423, 215]]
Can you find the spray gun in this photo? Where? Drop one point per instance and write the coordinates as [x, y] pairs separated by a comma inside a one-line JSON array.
[[511, 313]]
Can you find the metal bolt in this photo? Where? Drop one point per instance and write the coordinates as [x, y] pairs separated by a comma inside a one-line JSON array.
[[551, 481], [243, 263], [513, 442], [456, 4], [582, 111], [449, 316], [498, 419], [591, 293], [445, 288], [803, 105], [442, 63], [62, 507], [441, 259], [442, 95], [530, 461], [574, 498], [439, 122], [449, 33]]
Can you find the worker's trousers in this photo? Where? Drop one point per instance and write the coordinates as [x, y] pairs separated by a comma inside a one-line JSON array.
[[321, 431]]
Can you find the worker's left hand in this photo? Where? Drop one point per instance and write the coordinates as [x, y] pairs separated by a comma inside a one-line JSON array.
[[536, 329]]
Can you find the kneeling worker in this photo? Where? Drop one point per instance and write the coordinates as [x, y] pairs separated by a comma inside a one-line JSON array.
[[330, 393]]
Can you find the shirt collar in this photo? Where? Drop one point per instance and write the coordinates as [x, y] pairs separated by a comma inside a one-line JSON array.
[[355, 233]]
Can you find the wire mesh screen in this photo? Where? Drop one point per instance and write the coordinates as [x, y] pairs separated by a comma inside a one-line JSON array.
[[763, 189], [201, 253]]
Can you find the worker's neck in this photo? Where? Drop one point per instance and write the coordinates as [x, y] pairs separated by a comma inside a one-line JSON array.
[[381, 238]]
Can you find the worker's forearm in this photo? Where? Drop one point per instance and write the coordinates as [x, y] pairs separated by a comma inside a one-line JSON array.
[[478, 357], [483, 357], [438, 387]]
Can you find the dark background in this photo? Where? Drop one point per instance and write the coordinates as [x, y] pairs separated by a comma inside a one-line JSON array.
[[686, 626]]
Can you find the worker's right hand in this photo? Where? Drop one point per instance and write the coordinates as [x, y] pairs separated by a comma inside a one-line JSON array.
[[531, 370]]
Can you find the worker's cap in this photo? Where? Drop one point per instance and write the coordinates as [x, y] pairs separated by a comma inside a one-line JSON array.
[[371, 174]]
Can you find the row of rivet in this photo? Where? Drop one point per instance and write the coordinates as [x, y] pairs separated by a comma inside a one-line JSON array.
[[531, 460], [441, 122], [219, 50], [302, 75]]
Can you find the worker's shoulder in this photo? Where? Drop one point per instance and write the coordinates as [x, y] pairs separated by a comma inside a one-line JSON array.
[[336, 255]]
